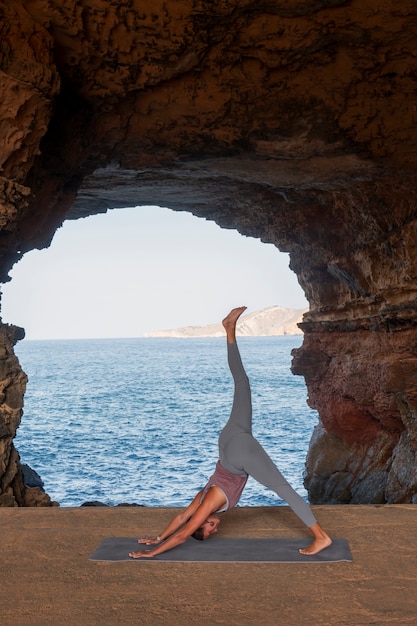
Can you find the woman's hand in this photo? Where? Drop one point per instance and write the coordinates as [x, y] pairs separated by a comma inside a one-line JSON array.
[[149, 540], [137, 555]]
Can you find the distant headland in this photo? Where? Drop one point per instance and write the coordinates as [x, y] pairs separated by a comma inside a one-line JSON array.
[[273, 321]]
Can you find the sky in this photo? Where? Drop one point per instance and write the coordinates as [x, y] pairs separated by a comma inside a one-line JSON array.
[[138, 269]]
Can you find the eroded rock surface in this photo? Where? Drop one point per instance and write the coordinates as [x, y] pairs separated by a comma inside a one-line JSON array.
[[293, 122]]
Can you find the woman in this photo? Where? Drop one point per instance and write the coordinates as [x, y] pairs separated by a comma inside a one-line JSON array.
[[240, 456]]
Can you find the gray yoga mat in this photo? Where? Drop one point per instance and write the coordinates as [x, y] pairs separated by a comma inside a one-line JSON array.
[[225, 549]]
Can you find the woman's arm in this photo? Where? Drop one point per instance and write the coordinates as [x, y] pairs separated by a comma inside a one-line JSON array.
[[176, 523], [213, 501]]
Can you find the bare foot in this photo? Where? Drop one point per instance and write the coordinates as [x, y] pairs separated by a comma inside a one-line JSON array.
[[317, 546], [229, 323], [231, 319]]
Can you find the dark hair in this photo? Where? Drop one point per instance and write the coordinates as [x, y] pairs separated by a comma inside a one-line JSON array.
[[198, 534]]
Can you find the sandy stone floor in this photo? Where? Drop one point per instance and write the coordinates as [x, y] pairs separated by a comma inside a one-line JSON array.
[[46, 578]]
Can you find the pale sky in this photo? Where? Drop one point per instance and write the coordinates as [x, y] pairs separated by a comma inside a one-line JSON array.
[[134, 270]]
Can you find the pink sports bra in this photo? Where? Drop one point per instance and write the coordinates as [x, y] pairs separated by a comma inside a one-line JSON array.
[[232, 486]]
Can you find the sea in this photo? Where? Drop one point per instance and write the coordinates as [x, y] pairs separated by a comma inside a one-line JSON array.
[[136, 421]]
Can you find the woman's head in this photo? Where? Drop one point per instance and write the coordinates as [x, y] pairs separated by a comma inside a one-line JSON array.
[[209, 527]]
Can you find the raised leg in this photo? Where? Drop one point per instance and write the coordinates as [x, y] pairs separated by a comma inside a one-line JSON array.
[[240, 419]]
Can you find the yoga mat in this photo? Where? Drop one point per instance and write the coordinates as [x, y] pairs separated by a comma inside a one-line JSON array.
[[225, 549]]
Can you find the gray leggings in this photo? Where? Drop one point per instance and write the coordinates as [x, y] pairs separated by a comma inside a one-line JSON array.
[[240, 453]]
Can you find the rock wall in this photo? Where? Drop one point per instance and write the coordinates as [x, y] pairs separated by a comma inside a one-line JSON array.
[[13, 491], [363, 385], [293, 122]]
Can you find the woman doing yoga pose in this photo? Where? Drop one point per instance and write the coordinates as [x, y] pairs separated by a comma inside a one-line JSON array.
[[240, 456]]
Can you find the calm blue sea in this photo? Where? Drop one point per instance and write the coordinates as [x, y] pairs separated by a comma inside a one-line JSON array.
[[137, 420]]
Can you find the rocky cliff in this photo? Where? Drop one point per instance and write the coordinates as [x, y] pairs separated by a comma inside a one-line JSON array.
[[293, 122], [271, 322]]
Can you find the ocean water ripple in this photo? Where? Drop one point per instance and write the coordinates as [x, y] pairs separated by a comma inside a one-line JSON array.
[[137, 420]]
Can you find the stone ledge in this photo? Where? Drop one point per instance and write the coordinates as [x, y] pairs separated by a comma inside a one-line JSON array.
[[47, 578]]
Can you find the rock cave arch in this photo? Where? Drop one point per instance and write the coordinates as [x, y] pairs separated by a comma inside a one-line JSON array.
[[125, 227], [291, 122]]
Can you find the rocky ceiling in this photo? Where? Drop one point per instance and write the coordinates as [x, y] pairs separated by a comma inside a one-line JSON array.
[[293, 122]]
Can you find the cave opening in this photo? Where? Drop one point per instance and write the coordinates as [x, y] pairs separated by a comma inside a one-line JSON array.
[[134, 270], [184, 259]]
